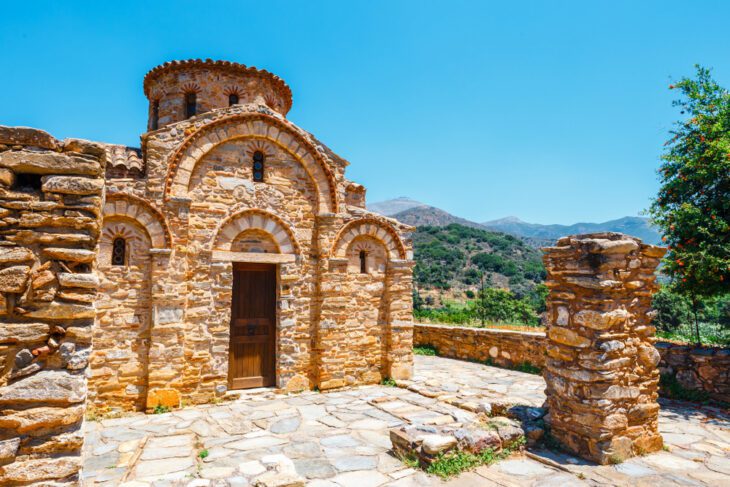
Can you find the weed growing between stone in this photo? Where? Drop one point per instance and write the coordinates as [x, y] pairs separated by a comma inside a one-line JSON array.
[[202, 454], [525, 367], [451, 464], [428, 350], [160, 409], [410, 461], [388, 381], [528, 368]]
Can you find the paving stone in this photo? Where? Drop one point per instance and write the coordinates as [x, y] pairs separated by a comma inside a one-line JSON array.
[[256, 443], [159, 453], [312, 412], [332, 421], [633, 469], [251, 468], [361, 478], [238, 482], [523, 467], [667, 461], [314, 468], [287, 425], [719, 464], [559, 480], [355, 462], [217, 472], [170, 441], [339, 441], [104, 448], [368, 424], [307, 449], [151, 468]]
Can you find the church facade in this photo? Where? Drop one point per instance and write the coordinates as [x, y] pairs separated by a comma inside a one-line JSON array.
[[234, 253]]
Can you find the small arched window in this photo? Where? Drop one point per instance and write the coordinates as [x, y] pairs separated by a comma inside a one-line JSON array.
[[191, 104], [232, 99], [155, 117], [119, 251], [258, 166], [363, 262]]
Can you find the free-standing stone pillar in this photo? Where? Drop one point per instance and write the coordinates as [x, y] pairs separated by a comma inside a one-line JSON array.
[[399, 332], [601, 369]]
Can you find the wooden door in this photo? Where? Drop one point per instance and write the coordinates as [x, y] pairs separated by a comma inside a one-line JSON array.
[[253, 315]]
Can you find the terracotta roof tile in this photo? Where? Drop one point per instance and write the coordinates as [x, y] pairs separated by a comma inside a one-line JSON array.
[[129, 158]]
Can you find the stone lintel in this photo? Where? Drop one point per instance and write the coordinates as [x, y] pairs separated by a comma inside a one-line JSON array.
[[160, 251], [252, 257]]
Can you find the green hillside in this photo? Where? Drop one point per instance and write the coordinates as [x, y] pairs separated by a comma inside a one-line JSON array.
[[455, 256]]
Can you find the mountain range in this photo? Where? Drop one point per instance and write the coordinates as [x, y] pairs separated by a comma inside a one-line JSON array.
[[416, 213]]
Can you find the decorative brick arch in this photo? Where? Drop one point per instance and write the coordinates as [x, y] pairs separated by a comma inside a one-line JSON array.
[[142, 212], [257, 125], [374, 228], [244, 220]]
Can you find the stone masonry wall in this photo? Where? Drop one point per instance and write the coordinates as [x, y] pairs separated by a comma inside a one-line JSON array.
[[695, 368], [705, 369], [51, 196], [601, 370], [502, 347]]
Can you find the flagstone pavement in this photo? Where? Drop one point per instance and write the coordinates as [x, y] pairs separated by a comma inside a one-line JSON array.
[[340, 439]]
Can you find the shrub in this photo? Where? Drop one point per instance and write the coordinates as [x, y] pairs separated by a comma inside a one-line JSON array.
[[428, 350]]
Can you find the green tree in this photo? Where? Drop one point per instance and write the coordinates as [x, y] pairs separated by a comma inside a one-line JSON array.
[[673, 310], [692, 208], [417, 300], [501, 305]]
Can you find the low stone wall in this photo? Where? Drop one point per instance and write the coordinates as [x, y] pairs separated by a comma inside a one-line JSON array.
[[50, 214], [502, 347], [695, 368], [704, 369]]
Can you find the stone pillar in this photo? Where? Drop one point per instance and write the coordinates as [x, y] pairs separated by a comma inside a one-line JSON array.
[[601, 366], [51, 195], [332, 334], [166, 361], [399, 331]]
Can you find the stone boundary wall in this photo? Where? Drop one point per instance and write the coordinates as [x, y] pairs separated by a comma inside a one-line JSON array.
[[505, 348], [695, 368], [703, 368], [51, 195]]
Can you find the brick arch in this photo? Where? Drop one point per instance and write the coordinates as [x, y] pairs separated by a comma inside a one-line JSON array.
[[244, 220], [374, 228], [142, 212], [258, 125]]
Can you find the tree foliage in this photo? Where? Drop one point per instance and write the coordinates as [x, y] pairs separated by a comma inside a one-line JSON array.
[[692, 208], [501, 305]]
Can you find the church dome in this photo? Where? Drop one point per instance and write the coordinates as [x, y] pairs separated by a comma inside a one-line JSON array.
[[178, 90]]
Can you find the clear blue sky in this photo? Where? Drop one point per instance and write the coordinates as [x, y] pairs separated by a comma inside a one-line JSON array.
[[552, 111]]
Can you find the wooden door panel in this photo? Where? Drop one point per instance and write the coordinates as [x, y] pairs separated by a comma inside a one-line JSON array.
[[252, 342]]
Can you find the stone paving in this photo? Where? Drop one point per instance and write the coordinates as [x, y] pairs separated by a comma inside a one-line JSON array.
[[341, 439]]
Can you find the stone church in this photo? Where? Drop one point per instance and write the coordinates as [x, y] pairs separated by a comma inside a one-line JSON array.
[[233, 253]]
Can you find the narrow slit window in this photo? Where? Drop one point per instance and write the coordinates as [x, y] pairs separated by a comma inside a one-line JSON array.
[[155, 122], [232, 99], [363, 262], [119, 251], [258, 166], [191, 104]]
